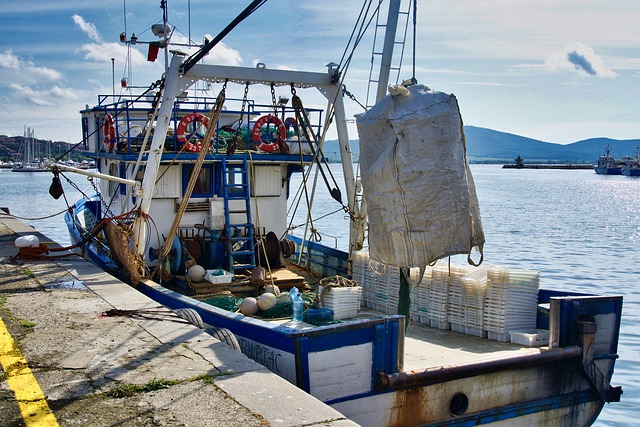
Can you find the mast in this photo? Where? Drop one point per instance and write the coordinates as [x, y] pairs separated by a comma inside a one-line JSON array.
[[359, 218], [155, 152], [387, 50]]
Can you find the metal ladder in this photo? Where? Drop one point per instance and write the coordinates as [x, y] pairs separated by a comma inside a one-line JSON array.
[[235, 182], [378, 49]]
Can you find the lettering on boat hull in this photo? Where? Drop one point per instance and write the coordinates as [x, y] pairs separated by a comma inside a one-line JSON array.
[[275, 360]]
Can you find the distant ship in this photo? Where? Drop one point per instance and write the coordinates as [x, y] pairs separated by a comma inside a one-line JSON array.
[[608, 165], [631, 165]]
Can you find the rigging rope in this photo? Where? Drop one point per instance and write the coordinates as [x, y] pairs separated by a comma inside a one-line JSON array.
[[304, 124], [40, 218], [193, 59]]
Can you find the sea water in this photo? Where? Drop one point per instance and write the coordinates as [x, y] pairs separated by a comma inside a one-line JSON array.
[[580, 230]]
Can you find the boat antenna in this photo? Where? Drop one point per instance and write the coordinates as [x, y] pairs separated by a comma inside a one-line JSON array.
[[193, 59], [124, 4]]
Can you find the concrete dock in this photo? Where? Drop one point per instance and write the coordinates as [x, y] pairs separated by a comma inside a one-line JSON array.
[[67, 360]]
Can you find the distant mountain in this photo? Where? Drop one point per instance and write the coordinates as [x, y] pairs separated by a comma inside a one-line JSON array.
[[492, 146], [487, 145]]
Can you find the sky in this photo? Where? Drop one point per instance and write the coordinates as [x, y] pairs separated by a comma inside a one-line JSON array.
[[555, 70]]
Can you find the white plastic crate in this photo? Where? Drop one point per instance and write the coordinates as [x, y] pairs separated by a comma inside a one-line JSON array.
[[218, 276], [531, 337], [345, 302]]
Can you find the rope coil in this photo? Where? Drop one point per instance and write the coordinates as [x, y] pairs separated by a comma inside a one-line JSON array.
[[330, 282]]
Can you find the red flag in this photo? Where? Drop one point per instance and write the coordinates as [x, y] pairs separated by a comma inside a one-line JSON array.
[[153, 52]]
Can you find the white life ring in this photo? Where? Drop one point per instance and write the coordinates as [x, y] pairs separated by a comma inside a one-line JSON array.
[[182, 128], [272, 145]]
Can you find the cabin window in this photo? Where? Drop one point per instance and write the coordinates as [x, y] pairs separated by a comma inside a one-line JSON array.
[[235, 180], [204, 183]]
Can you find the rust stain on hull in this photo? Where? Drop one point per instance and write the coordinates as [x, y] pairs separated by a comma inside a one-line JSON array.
[[409, 407]]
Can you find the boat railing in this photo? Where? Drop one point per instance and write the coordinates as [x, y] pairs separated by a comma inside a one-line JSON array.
[[130, 115]]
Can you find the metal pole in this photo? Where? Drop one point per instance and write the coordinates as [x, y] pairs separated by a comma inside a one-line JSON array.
[[387, 52], [113, 78]]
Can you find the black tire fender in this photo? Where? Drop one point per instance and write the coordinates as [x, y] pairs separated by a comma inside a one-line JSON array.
[[224, 335], [191, 316]]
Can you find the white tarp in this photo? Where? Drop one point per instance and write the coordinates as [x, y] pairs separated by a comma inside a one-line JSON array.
[[416, 181]]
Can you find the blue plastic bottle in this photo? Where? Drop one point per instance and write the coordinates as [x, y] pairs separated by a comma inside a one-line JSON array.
[[298, 305]]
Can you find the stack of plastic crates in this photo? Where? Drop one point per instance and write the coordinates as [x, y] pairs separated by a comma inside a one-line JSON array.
[[360, 275], [420, 295], [472, 289], [511, 301], [380, 283], [439, 296], [459, 298], [381, 286]]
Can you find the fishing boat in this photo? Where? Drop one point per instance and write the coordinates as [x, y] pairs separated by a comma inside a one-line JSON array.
[[608, 165], [191, 208]]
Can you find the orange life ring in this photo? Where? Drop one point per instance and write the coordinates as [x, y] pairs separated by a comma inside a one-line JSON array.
[[273, 144], [182, 128], [109, 131]]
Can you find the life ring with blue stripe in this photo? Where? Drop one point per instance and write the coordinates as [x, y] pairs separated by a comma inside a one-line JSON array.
[[268, 141], [291, 122], [109, 131], [181, 131]]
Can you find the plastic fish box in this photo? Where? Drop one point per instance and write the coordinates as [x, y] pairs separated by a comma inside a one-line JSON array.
[[345, 302], [531, 337], [218, 276]]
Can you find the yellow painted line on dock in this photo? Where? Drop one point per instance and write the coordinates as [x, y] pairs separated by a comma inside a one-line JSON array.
[[31, 401]]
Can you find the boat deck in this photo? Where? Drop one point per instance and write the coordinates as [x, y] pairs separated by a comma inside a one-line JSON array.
[[427, 347]]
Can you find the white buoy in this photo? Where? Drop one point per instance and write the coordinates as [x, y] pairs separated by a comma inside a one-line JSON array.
[[196, 273], [29, 241], [249, 306]]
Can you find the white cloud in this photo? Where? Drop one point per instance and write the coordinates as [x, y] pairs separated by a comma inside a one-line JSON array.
[[47, 97], [581, 58], [103, 52], [27, 70], [221, 54], [88, 28], [9, 60]]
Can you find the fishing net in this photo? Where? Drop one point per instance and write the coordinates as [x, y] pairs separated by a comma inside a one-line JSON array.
[[281, 311], [225, 302]]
